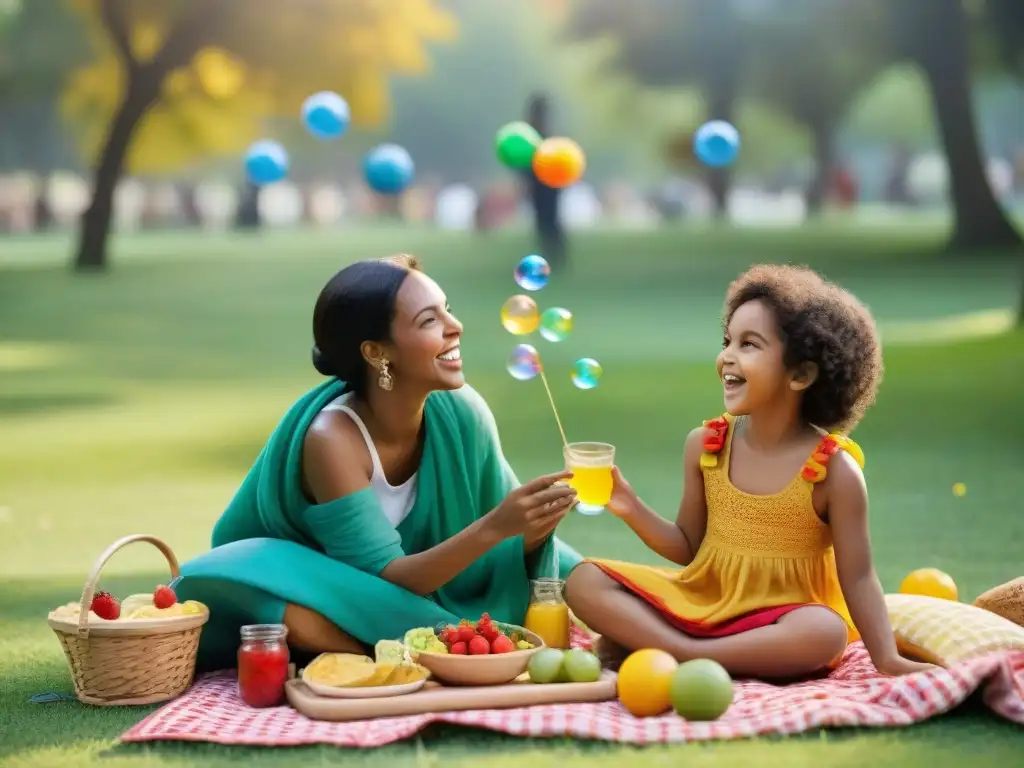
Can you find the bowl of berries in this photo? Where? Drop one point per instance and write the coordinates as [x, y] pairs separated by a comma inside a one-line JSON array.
[[481, 652]]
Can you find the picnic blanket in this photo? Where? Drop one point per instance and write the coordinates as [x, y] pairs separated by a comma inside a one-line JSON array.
[[854, 695]]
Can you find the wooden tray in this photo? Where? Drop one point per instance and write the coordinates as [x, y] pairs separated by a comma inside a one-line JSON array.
[[434, 697]]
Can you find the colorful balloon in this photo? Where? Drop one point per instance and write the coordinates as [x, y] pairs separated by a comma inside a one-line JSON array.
[[716, 143], [326, 115], [559, 162], [524, 362], [266, 161], [556, 324], [516, 143], [519, 315], [388, 169], [586, 373], [532, 272]]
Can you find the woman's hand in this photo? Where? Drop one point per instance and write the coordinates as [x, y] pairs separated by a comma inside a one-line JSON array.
[[898, 666], [545, 524], [624, 499], [532, 508]]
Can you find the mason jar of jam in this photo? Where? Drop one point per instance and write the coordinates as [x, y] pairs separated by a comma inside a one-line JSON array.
[[263, 664]]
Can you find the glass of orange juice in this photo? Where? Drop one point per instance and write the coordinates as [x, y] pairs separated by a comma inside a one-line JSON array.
[[548, 614], [591, 465]]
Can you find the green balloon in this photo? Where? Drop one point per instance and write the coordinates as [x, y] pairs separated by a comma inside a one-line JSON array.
[[701, 689], [516, 143]]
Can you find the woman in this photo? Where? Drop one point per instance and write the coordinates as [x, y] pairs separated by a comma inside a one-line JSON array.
[[382, 500]]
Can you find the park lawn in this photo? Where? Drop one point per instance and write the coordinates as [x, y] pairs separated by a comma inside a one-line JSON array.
[[136, 401]]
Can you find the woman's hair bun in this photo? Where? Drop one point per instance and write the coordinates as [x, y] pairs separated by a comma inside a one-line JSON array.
[[321, 363]]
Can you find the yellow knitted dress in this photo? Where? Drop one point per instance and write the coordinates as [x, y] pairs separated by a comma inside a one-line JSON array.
[[761, 557]]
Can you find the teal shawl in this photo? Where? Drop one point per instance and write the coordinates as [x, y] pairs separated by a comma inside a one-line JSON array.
[[272, 546]]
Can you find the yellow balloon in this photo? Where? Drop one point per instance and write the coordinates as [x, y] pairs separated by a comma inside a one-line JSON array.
[[930, 582]]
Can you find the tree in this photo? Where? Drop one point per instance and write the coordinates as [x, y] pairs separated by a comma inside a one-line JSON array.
[[813, 67], [179, 79], [935, 34], [669, 42]]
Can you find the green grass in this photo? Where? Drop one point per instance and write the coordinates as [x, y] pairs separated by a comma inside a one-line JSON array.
[[137, 400]]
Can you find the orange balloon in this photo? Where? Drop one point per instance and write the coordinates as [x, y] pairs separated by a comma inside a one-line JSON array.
[[645, 681], [559, 162], [930, 582]]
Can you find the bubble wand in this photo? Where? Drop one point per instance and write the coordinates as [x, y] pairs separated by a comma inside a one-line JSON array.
[[554, 410]]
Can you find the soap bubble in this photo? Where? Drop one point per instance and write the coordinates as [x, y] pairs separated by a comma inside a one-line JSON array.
[[532, 273], [524, 362], [519, 315], [326, 115], [266, 161], [586, 373], [556, 324]]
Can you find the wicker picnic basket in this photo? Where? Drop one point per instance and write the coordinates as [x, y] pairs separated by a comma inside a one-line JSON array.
[[139, 661]]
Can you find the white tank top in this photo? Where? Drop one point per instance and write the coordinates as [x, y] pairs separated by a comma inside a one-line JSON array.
[[395, 500]]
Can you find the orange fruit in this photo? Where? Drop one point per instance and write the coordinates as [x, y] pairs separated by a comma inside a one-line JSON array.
[[930, 582], [645, 682], [559, 162]]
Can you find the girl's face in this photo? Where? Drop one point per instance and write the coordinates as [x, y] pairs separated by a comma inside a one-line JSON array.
[[750, 364], [425, 350]]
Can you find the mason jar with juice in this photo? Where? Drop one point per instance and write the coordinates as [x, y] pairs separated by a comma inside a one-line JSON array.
[[548, 614]]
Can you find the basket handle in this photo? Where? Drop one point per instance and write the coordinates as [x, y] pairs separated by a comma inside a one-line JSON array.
[[94, 574]]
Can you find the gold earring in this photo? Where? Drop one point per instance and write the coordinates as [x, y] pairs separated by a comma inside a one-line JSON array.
[[385, 381]]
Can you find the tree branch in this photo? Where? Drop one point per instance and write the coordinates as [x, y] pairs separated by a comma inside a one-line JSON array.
[[112, 12], [193, 31]]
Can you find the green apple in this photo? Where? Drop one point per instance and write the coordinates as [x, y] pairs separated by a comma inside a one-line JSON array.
[[701, 689], [546, 666], [582, 666]]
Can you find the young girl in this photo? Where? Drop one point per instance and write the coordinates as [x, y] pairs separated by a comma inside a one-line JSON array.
[[772, 529]]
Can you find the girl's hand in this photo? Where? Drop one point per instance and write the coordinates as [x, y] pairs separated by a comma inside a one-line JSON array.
[[624, 499], [898, 666]]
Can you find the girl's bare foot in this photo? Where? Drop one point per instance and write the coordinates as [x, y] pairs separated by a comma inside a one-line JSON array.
[[609, 653]]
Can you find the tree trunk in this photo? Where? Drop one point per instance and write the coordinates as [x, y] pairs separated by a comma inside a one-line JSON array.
[[817, 190], [1020, 306], [722, 99], [141, 94], [980, 221]]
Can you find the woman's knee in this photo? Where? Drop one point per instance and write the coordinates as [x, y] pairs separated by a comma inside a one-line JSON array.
[[825, 631], [309, 630]]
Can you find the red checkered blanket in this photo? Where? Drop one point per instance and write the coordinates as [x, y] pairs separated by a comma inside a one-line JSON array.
[[853, 695]]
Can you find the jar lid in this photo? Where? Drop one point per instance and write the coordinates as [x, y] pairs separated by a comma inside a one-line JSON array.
[[264, 632]]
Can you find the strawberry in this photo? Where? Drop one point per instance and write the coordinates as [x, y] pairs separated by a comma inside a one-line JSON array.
[[448, 635], [479, 646], [105, 605], [459, 649], [164, 597], [502, 644], [466, 633]]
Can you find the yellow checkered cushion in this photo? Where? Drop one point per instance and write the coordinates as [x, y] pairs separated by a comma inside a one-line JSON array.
[[944, 631]]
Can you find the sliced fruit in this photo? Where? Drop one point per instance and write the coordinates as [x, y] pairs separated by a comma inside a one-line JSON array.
[[340, 670]]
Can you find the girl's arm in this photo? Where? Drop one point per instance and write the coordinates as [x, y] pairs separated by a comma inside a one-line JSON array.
[[848, 517], [676, 541]]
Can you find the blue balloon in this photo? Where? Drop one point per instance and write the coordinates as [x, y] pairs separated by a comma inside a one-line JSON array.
[[326, 115], [388, 169], [266, 162], [716, 143]]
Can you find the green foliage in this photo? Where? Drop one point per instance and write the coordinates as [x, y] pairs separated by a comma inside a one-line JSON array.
[[896, 108]]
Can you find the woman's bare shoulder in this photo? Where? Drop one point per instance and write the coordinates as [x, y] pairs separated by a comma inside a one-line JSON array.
[[335, 459]]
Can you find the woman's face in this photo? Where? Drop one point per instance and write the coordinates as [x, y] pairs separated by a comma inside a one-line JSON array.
[[424, 349]]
